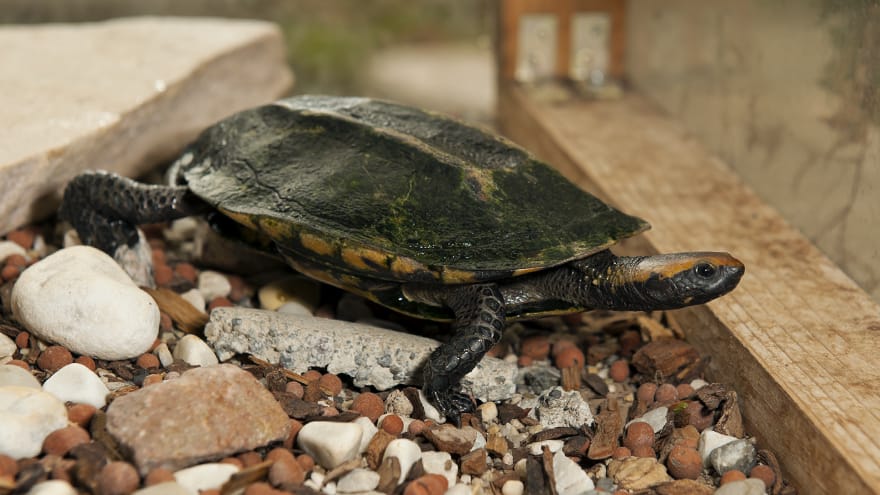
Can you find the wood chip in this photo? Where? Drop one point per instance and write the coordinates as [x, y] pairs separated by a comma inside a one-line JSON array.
[[245, 477], [653, 330], [730, 422], [665, 358], [609, 426], [182, 313]]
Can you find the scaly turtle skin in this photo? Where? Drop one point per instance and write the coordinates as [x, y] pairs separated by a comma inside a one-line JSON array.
[[413, 210]]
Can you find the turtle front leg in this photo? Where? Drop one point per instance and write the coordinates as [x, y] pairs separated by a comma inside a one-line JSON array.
[[479, 321], [105, 209]]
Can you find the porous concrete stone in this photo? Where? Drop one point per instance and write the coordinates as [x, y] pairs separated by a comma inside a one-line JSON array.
[[121, 95], [370, 355], [206, 414]]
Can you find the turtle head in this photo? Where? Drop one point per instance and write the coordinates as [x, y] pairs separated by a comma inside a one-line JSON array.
[[665, 281], [670, 281]]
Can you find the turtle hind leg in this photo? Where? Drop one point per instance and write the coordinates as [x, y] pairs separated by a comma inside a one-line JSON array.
[[105, 209], [479, 321]]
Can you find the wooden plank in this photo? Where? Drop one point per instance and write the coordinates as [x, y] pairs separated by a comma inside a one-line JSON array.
[[797, 339], [510, 12]]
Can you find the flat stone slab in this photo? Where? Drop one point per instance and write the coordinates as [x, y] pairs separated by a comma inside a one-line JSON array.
[[370, 355], [121, 95]]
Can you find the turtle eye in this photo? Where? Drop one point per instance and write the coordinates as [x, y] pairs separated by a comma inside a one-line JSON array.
[[704, 270]]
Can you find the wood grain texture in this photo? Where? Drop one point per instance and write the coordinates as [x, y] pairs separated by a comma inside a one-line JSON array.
[[797, 339]]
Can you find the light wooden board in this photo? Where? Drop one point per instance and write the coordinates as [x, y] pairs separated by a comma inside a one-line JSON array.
[[797, 339]]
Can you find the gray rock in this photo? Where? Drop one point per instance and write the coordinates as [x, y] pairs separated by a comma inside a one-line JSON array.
[[711, 440], [739, 454], [97, 108], [557, 407], [370, 355], [205, 414]]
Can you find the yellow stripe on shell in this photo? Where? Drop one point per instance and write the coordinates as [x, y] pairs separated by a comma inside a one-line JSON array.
[[316, 244]]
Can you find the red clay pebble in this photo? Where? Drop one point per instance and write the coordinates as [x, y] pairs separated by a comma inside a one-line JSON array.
[[646, 393], [368, 404], [159, 258], [764, 473], [666, 393], [295, 426], [295, 388], [331, 384], [212, 491], [561, 345], [147, 361], [219, 302], [643, 451], [166, 324], [20, 364], [81, 414], [629, 341], [698, 416], [285, 471], [619, 371], [158, 475], [428, 484], [118, 478], [306, 462], [87, 362], [186, 271], [536, 347], [8, 466], [639, 434], [17, 261], [684, 462], [233, 461], [392, 424], [152, 379], [22, 237], [621, 453], [163, 275], [22, 340], [731, 476], [59, 442], [684, 390], [54, 357], [9, 272], [416, 427], [570, 357]]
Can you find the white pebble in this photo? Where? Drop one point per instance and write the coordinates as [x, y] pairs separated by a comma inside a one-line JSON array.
[[488, 411], [78, 384], [709, 441], [655, 417], [194, 297], [329, 443], [11, 375], [28, 415], [436, 462], [537, 448], [52, 487], [406, 451], [166, 488], [358, 481], [698, 383], [431, 412], [292, 288], [369, 430], [81, 299], [182, 229], [213, 284], [7, 346], [460, 489], [294, 308], [570, 478], [513, 487], [8, 248], [205, 476], [162, 352], [193, 350], [751, 486]]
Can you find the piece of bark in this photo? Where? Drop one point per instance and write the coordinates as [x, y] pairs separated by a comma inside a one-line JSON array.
[[730, 422], [609, 426], [665, 358]]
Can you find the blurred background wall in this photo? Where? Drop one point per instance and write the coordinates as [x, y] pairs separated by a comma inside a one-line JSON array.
[[786, 91]]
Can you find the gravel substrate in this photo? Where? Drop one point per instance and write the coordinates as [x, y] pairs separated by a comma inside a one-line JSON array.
[[109, 389]]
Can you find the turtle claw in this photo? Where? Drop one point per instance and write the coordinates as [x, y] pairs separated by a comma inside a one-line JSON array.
[[452, 405]]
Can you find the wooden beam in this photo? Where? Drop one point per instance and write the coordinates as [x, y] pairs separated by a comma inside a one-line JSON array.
[[797, 339]]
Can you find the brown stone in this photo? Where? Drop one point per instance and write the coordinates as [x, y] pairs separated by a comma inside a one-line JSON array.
[[376, 448], [451, 439], [60, 442], [637, 473], [206, 414], [666, 358], [683, 487], [474, 462], [609, 426]]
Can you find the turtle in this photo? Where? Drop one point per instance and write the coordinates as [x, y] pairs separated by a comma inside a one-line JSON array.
[[414, 210]]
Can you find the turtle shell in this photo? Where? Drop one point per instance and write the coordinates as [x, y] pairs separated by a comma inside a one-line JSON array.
[[383, 191]]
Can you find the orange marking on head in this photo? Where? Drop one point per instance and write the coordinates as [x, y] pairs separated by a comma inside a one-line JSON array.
[[670, 265]]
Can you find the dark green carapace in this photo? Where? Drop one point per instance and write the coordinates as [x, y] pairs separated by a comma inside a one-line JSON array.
[[414, 210]]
